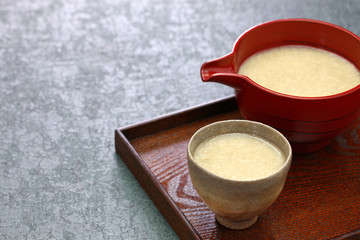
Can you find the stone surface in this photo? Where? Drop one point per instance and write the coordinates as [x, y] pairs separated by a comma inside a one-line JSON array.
[[73, 71]]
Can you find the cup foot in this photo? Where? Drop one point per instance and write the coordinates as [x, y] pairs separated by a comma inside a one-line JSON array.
[[236, 225]]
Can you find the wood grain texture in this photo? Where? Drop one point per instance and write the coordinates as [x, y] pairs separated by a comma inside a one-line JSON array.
[[320, 200]]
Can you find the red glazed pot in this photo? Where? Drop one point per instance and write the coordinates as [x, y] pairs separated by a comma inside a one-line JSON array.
[[309, 123]]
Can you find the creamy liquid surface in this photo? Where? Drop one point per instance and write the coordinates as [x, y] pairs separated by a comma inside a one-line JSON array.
[[239, 156], [301, 71]]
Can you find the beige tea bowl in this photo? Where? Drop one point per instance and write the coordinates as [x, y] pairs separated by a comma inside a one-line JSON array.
[[237, 203]]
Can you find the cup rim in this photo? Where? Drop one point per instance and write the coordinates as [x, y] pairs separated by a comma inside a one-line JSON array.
[[286, 164]]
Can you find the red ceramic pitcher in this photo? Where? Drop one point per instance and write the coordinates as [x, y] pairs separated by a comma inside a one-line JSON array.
[[309, 123]]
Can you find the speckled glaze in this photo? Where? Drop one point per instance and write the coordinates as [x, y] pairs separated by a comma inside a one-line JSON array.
[[237, 204], [73, 71]]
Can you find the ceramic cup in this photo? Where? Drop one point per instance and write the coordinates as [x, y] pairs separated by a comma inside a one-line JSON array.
[[237, 204], [309, 123]]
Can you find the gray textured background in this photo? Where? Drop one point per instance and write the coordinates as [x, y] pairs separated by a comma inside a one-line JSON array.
[[73, 71]]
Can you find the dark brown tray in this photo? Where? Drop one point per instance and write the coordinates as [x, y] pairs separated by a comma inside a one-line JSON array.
[[320, 200]]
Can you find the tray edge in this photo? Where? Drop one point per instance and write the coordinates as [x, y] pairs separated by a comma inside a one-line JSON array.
[[168, 208], [172, 119]]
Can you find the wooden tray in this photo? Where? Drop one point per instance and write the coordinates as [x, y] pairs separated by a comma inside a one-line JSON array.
[[320, 200]]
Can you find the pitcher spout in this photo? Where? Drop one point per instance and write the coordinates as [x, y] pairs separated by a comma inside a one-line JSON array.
[[222, 70]]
